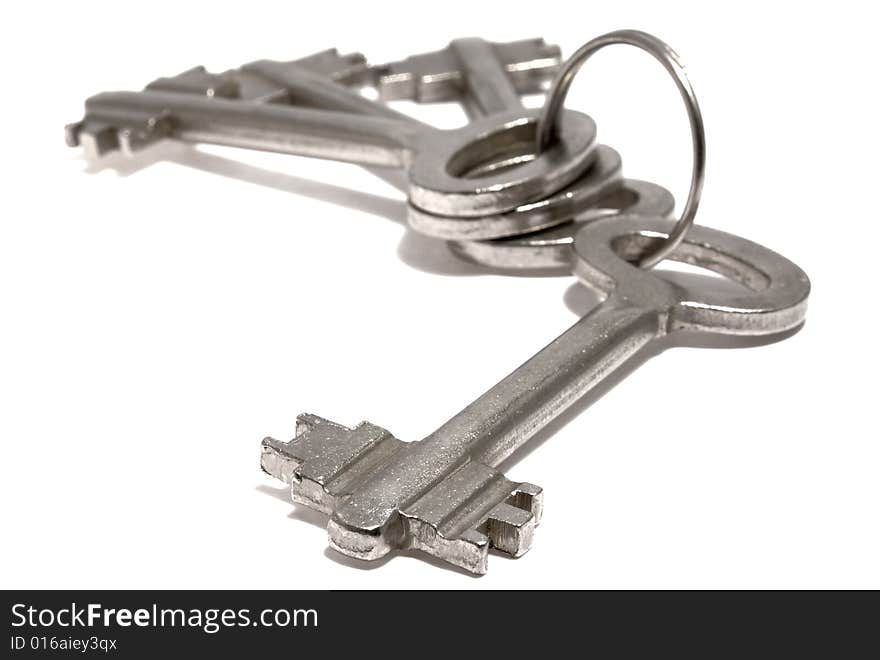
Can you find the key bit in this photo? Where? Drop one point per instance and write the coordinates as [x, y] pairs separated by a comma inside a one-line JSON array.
[[440, 75], [128, 136], [457, 516]]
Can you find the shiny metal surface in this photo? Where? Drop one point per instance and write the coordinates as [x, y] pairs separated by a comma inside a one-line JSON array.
[[438, 161], [484, 84], [556, 209], [441, 180], [443, 495], [550, 250], [670, 61]]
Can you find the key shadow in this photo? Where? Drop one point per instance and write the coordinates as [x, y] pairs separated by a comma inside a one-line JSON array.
[[363, 565], [300, 513], [581, 300], [416, 250]]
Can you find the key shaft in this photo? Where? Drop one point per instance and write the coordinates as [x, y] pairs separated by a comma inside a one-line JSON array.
[[354, 138], [487, 86], [438, 162], [506, 416]]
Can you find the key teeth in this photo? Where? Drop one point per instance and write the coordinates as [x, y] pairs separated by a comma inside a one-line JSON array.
[[71, 133], [307, 421], [325, 461], [96, 140], [530, 498], [393, 86], [508, 527], [470, 510], [424, 78], [276, 462], [277, 458], [511, 529], [458, 519], [469, 550]]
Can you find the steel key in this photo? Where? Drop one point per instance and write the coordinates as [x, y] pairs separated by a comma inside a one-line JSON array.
[[444, 494], [438, 162]]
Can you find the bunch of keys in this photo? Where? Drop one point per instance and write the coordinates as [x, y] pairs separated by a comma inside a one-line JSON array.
[[515, 189]]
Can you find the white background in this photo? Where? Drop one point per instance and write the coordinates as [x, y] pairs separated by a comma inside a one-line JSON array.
[[160, 316]]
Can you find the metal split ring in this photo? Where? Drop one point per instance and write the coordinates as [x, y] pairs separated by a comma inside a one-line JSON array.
[[546, 130]]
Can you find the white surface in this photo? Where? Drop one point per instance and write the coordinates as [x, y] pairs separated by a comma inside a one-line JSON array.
[[155, 326]]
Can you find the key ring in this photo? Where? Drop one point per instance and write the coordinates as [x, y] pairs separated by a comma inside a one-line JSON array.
[[546, 129]]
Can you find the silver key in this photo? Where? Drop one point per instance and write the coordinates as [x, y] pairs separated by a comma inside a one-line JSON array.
[[485, 83], [443, 495], [551, 250], [437, 161]]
